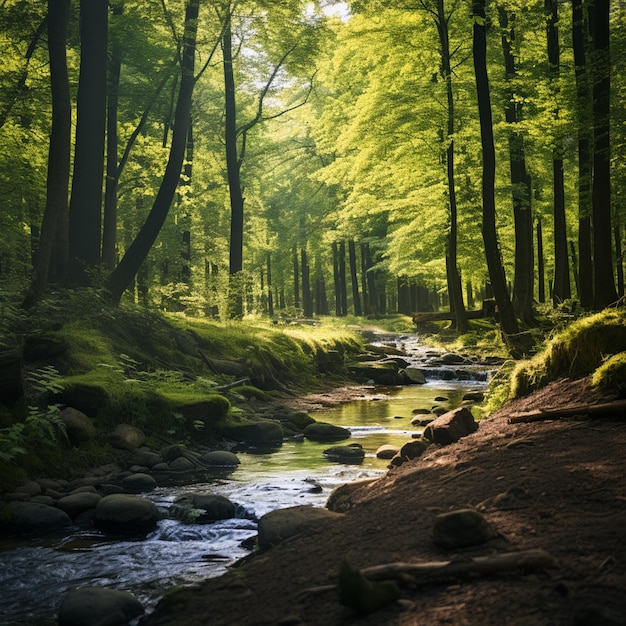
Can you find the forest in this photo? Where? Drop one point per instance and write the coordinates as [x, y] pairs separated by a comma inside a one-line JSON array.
[[234, 159]]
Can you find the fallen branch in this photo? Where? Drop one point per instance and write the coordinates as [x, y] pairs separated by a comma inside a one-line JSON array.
[[437, 571], [568, 411]]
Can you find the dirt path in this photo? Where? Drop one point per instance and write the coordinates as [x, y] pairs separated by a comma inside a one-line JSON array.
[[557, 485]]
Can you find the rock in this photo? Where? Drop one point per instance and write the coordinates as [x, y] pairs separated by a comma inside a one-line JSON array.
[[439, 411], [47, 500], [31, 488], [451, 426], [34, 517], [170, 453], [182, 464], [339, 500], [127, 437], [351, 454], [414, 375], [78, 426], [442, 399], [281, 524], [460, 529], [323, 432], [78, 503], [90, 606], [382, 373], [126, 514], [386, 451], [220, 458], [145, 458], [413, 449], [453, 359], [474, 396], [202, 508], [138, 483], [420, 411], [423, 420], [263, 433]]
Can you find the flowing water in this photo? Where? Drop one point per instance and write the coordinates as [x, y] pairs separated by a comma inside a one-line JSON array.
[[35, 575]]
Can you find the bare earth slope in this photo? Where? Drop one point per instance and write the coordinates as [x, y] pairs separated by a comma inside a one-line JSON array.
[[557, 485]]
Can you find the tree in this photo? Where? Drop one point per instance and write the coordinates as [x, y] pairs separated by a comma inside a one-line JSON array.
[[59, 150], [123, 274], [85, 211], [508, 322]]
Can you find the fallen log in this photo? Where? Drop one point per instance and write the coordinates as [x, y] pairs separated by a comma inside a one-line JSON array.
[[617, 406], [488, 309], [439, 571]]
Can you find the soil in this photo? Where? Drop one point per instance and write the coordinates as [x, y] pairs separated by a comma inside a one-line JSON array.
[[557, 485]]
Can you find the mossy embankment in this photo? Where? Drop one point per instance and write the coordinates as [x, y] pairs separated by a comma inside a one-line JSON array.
[[176, 378]]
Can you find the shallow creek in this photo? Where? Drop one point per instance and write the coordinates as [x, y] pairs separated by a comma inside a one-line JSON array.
[[35, 575]]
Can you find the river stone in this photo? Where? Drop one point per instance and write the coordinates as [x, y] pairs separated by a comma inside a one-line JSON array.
[[210, 507], [323, 432], [460, 529], [451, 426], [138, 483], [126, 514], [474, 396], [452, 359], [181, 464], [47, 500], [89, 606], [220, 458], [386, 451], [352, 454], [414, 375], [423, 419], [340, 499], [78, 426], [30, 487], [171, 453], [28, 517], [127, 437], [145, 458], [78, 503], [281, 524], [262, 432], [414, 449], [380, 372]]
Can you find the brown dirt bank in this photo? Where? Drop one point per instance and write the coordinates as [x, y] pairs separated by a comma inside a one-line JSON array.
[[558, 485]]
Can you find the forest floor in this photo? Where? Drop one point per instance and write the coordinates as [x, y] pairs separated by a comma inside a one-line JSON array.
[[557, 485]]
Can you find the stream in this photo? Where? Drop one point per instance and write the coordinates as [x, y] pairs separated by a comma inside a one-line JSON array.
[[34, 575]]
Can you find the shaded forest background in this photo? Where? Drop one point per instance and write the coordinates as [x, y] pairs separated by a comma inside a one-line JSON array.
[[298, 158]]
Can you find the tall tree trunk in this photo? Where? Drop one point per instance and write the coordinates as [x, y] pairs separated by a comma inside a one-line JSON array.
[[343, 290], [59, 150], [454, 282], [508, 321], [562, 289], [307, 300], [541, 265], [520, 188], [233, 166], [356, 298], [336, 279], [109, 223], [296, 277], [619, 260], [85, 212], [604, 282], [124, 273], [270, 297], [585, 174]]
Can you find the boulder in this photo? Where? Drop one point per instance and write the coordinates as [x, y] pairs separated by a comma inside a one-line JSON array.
[[323, 432], [202, 508], [414, 375], [413, 449], [423, 419], [451, 426], [138, 483], [145, 458], [78, 426], [260, 433], [386, 451], [453, 359], [170, 453], [182, 464], [127, 437], [474, 396], [340, 500], [78, 503], [352, 454], [34, 517], [281, 524], [460, 529], [89, 606], [126, 514], [380, 372], [220, 458], [30, 487]]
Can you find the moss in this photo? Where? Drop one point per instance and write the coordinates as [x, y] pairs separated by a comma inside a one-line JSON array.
[[610, 377], [574, 352], [248, 391]]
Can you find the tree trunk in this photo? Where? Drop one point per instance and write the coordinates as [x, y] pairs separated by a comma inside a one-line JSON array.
[[541, 265], [585, 175], [336, 279], [520, 188], [508, 322], [296, 278], [356, 298], [85, 212], [562, 289], [307, 300], [270, 297], [452, 271], [126, 270], [605, 292], [59, 150], [343, 290], [371, 281], [619, 260], [364, 288]]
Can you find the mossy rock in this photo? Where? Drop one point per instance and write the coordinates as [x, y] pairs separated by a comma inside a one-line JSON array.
[[250, 392], [86, 396], [260, 433], [381, 373], [610, 377], [300, 420]]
